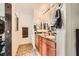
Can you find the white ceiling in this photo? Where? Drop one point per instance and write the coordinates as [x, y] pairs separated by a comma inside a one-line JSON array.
[[28, 5], [26, 8]]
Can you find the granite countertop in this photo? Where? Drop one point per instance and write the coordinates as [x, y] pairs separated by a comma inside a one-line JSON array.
[[51, 37]]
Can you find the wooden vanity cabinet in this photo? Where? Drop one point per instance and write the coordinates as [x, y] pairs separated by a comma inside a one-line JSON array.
[[45, 46], [50, 51], [36, 42], [40, 45], [51, 48]]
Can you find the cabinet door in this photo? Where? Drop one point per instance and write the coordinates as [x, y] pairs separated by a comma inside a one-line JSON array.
[[36, 42], [39, 44], [51, 51], [51, 43], [44, 47]]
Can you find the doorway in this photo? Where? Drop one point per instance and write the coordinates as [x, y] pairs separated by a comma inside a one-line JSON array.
[[8, 29]]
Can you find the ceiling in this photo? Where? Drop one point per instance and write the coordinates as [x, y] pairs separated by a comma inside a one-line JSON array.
[[26, 8], [28, 5]]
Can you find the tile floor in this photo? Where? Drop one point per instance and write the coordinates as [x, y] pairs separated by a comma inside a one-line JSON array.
[[26, 50]]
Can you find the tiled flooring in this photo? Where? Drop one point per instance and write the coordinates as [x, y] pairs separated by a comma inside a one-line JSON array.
[[33, 53], [26, 50]]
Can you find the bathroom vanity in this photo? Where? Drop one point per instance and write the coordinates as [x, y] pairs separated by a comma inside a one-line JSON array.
[[45, 45], [45, 30]]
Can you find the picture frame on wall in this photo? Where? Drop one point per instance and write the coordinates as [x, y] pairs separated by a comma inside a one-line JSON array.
[[24, 32], [17, 23]]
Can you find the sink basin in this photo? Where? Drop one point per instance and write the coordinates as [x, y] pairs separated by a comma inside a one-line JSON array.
[[51, 37]]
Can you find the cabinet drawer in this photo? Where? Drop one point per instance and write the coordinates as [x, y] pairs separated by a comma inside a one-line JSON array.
[[51, 43]]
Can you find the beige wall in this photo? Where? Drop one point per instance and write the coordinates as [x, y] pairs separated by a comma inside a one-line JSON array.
[[61, 34], [72, 15], [25, 20], [39, 16]]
